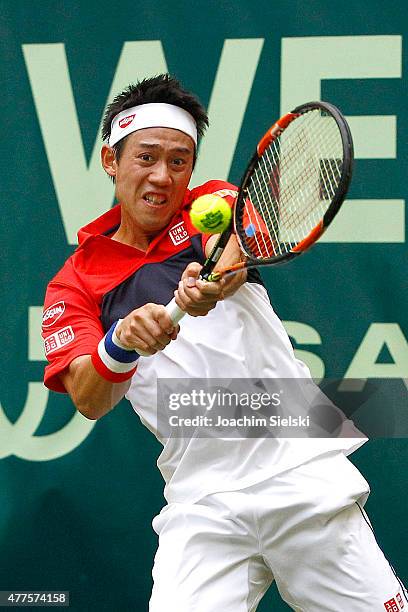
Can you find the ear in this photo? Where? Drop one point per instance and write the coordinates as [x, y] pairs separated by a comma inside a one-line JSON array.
[[108, 160]]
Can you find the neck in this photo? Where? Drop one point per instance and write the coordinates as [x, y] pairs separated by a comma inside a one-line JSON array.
[[125, 235]]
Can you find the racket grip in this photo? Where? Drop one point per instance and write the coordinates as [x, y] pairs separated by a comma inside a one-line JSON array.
[[174, 311], [176, 314]]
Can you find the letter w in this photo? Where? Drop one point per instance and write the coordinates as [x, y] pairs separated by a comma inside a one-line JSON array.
[[83, 191]]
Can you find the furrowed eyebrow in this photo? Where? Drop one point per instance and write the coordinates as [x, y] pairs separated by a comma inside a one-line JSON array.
[[149, 145]]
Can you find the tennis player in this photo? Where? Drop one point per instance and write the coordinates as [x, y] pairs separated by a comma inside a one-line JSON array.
[[240, 513]]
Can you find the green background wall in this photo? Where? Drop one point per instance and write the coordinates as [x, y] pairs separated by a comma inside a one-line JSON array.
[[77, 498]]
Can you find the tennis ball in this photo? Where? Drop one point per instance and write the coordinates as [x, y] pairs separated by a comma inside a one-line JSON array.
[[210, 214]]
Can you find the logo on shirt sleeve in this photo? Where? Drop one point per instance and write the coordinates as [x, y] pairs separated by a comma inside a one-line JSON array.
[[53, 313], [178, 233], [58, 339], [395, 604]]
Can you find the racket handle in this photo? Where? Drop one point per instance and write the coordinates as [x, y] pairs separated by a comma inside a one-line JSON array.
[[174, 311], [176, 314]]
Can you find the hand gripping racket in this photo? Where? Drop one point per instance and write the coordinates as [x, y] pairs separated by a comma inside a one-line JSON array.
[[293, 187]]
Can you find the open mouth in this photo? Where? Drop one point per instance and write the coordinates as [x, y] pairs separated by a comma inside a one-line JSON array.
[[155, 199]]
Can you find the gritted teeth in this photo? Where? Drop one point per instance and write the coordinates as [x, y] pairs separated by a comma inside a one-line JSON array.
[[154, 198]]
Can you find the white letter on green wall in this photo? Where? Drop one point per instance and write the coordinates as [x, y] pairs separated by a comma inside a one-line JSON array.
[[305, 63]]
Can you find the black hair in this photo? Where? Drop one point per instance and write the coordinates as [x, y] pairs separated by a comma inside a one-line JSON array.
[[162, 88]]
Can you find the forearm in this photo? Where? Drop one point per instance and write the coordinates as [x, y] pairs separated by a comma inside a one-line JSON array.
[[97, 382], [92, 395]]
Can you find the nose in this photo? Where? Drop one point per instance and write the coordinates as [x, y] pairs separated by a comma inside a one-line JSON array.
[[160, 174]]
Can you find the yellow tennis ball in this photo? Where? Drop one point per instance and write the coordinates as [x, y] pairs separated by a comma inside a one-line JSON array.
[[210, 214]]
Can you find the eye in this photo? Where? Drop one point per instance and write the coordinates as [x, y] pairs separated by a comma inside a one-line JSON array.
[[146, 157], [178, 161]]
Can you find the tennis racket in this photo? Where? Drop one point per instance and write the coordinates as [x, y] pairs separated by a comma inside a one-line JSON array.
[[293, 187]]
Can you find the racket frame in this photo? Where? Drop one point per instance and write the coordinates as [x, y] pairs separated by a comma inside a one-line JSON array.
[[347, 169], [236, 223]]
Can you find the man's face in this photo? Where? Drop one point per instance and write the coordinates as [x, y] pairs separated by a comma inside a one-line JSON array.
[[151, 177]]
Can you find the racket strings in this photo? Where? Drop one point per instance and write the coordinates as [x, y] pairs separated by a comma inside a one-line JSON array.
[[265, 237], [298, 198], [316, 147], [270, 240], [292, 186], [309, 182]]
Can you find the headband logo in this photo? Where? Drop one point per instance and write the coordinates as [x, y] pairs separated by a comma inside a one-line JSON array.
[[123, 123]]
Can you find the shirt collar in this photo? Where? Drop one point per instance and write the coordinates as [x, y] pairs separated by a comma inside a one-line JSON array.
[[110, 221]]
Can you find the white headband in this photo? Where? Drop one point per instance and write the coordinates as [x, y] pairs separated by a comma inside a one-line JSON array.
[[155, 114]]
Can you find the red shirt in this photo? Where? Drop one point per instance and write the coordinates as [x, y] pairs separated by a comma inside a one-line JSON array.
[[104, 280]]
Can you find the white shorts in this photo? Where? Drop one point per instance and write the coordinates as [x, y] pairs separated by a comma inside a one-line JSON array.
[[304, 528]]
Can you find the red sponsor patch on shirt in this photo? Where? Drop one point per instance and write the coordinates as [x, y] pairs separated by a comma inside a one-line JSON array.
[[58, 339], [178, 233], [399, 600], [53, 313], [391, 605]]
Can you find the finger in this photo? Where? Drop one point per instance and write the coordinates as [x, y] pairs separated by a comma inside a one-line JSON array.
[[146, 335], [164, 320], [155, 337], [203, 293], [190, 295], [210, 288], [195, 308], [175, 332], [192, 270]]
